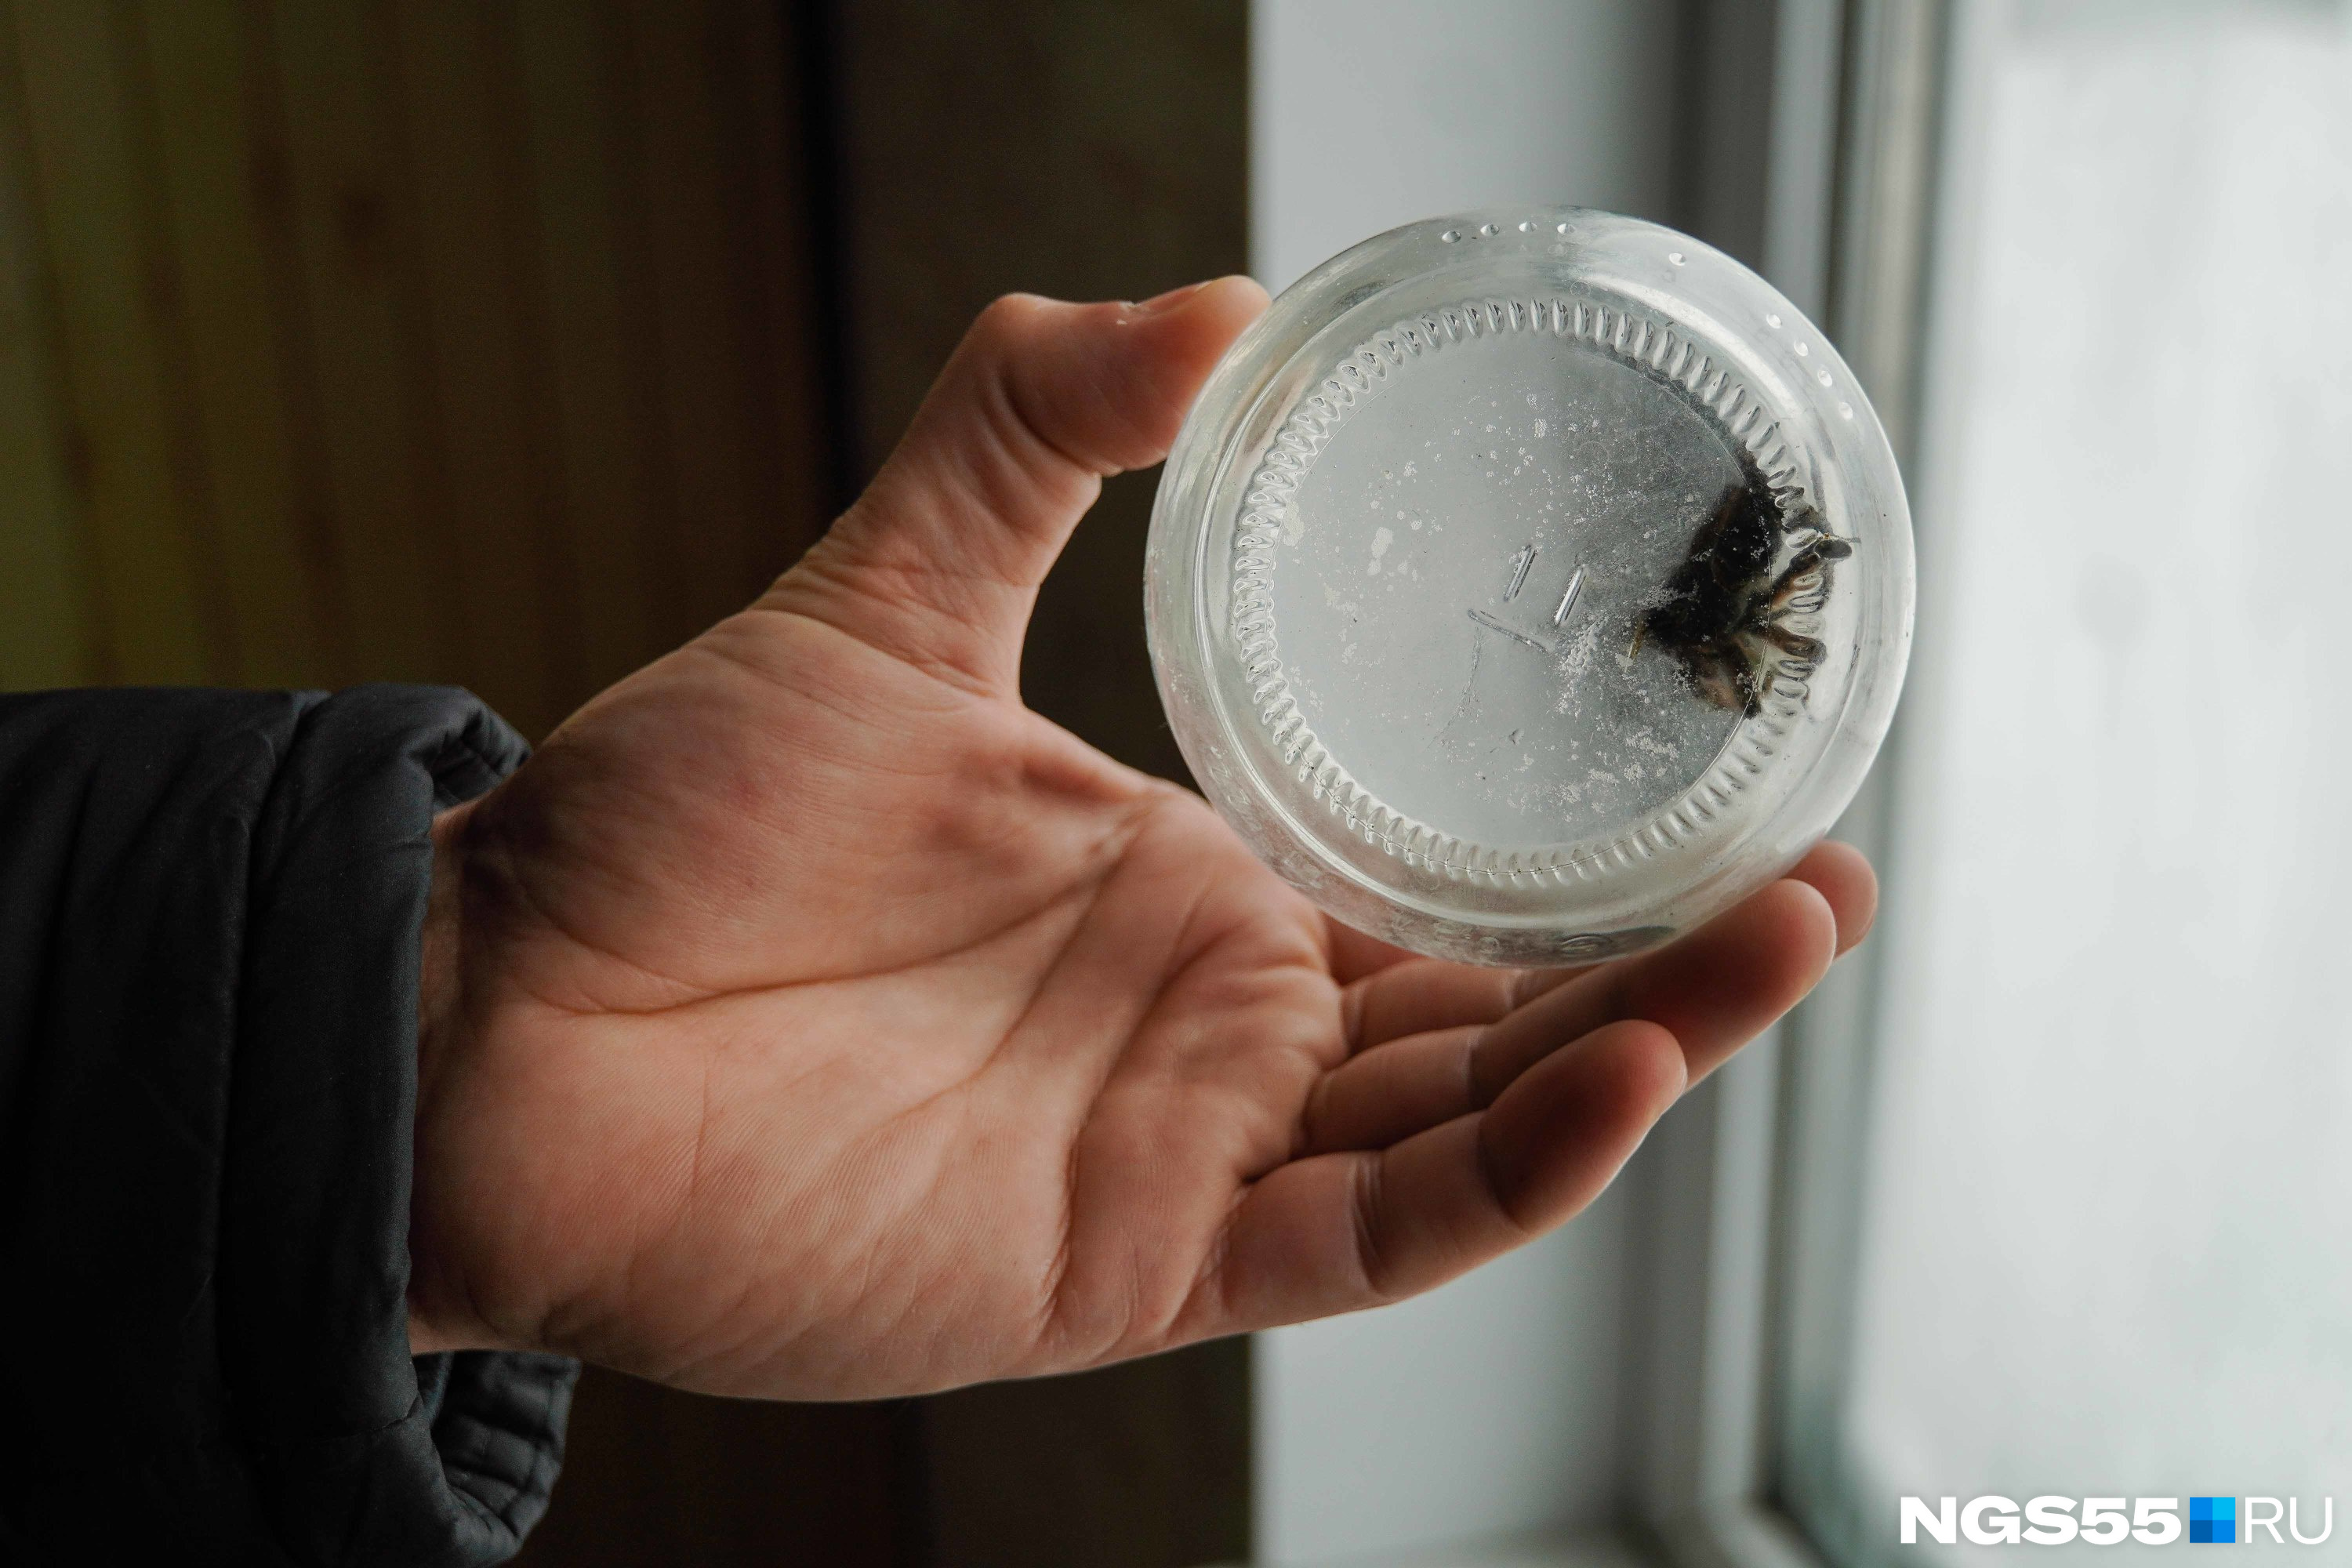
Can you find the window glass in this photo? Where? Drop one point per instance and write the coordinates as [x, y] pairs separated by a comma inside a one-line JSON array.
[[2104, 1247]]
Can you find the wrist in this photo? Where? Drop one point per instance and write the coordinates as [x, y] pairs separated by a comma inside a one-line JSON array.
[[439, 1016], [437, 979]]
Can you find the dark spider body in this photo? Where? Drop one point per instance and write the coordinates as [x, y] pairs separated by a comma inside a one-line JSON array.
[[1724, 609]]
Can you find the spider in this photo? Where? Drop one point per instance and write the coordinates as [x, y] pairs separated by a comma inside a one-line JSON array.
[[1725, 610]]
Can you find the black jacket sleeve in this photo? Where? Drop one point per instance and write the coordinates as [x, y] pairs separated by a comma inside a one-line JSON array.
[[210, 912]]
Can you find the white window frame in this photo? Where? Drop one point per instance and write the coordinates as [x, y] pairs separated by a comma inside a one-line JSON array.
[[1735, 1231], [1755, 1245]]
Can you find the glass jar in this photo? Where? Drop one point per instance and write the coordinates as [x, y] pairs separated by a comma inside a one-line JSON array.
[[1531, 585]]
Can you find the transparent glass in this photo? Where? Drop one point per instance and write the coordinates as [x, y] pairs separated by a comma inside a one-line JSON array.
[[2102, 1248], [1528, 585]]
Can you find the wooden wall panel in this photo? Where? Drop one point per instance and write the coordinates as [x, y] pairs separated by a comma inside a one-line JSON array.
[[231, 375], [673, 154], [331, 148], [429, 339], [778, 319], [1089, 151], [503, 341], [655, 1477], [161, 602], [573, 118], [47, 608], [1062, 147], [463, 189], [454, 340], [1144, 1465]]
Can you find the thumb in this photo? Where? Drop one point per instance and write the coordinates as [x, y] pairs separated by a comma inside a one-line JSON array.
[[939, 562]]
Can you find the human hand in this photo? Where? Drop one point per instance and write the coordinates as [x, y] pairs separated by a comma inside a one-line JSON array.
[[809, 1019]]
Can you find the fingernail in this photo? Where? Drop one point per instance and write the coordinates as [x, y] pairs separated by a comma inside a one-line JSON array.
[[1170, 301]]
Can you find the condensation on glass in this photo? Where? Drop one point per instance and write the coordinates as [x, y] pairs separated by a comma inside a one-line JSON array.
[[2101, 1240], [1529, 586]]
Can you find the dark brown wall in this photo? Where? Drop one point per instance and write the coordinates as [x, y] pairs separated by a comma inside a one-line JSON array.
[[1088, 151], [1085, 150], [509, 342], [1065, 147], [425, 339], [655, 1477]]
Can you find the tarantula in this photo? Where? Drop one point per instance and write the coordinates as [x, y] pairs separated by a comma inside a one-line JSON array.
[[1724, 609]]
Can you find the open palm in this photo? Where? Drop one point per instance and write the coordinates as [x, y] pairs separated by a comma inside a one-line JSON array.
[[809, 1019]]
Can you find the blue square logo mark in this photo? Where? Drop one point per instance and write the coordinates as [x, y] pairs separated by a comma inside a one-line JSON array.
[[2213, 1520]]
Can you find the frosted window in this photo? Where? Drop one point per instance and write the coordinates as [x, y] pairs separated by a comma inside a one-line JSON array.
[[2105, 1246]]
